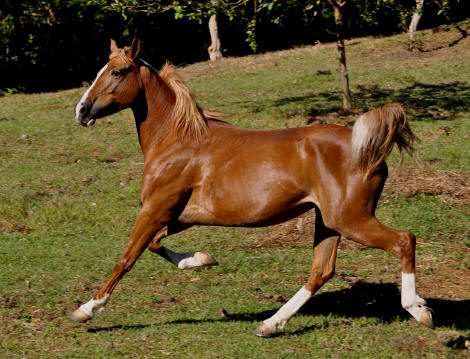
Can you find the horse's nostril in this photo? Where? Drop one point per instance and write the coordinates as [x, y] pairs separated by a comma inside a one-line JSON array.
[[82, 108]]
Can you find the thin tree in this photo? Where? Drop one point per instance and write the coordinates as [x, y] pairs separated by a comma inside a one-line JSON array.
[[215, 49], [414, 23], [338, 7]]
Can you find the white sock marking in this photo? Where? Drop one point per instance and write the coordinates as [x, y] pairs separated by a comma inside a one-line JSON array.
[[279, 320], [191, 262], [93, 306], [411, 301], [85, 95]]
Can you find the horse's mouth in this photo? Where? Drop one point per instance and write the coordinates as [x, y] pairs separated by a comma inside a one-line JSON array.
[[88, 116], [87, 122], [91, 122]]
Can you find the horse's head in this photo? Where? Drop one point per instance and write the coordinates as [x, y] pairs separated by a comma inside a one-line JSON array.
[[117, 86]]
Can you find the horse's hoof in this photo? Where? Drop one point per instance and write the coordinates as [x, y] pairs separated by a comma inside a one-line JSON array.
[[264, 331], [426, 318], [79, 316], [206, 259]]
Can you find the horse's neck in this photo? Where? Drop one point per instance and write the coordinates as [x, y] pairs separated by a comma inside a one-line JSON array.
[[152, 111]]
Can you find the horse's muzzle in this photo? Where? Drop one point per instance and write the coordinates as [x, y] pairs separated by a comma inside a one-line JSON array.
[[83, 113]]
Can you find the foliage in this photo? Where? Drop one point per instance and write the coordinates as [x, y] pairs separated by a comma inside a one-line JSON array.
[[50, 44], [374, 12], [8, 91]]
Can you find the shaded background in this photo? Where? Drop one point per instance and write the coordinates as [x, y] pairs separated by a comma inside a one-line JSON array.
[[52, 45]]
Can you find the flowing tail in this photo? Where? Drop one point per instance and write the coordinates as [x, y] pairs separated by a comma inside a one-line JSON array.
[[376, 132]]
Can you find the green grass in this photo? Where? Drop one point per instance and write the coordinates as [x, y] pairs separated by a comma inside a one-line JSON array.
[[69, 198]]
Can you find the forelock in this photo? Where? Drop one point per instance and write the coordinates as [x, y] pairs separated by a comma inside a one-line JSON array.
[[121, 54]]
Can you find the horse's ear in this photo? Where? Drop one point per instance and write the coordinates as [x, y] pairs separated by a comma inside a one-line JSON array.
[[113, 47], [133, 50]]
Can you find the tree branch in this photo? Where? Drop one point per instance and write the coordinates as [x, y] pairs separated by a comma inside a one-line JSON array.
[[338, 3]]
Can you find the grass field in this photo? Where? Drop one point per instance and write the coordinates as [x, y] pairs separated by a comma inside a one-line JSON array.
[[69, 198]]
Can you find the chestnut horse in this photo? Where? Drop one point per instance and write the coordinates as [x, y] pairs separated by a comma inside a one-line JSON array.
[[199, 170]]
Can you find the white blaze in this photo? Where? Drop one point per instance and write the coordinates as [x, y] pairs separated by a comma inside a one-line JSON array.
[[85, 95]]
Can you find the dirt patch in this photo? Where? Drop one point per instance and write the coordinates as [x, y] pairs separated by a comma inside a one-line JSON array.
[[444, 38], [432, 45], [9, 226], [297, 232], [445, 277], [343, 118], [451, 187], [229, 65]]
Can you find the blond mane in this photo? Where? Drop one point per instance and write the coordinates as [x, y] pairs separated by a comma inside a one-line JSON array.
[[187, 117]]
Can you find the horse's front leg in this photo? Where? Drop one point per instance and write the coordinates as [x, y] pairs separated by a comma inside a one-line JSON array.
[[146, 226], [181, 260]]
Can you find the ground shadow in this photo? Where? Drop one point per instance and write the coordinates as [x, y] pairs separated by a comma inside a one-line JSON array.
[[117, 327], [362, 299], [377, 300], [423, 101], [383, 301], [230, 317]]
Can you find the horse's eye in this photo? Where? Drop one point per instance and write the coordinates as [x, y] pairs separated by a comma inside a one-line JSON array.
[[115, 73]]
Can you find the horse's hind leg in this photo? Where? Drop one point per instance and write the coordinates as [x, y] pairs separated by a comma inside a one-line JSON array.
[[367, 230], [323, 268], [181, 260]]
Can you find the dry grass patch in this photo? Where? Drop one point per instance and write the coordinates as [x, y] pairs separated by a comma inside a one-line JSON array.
[[9, 226], [451, 187], [229, 65]]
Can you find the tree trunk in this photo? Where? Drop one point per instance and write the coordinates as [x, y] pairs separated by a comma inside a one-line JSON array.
[[215, 50], [338, 7], [414, 23]]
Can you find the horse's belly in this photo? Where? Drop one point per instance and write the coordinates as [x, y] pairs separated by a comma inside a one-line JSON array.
[[245, 213], [250, 189]]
